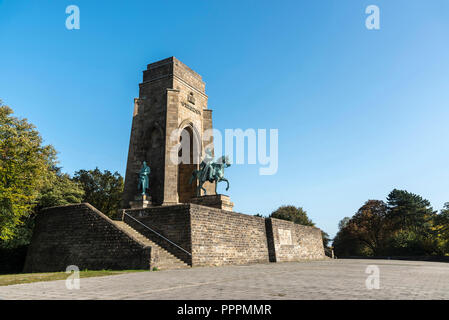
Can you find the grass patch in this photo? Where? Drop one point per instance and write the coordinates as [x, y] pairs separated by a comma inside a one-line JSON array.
[[9, 279]]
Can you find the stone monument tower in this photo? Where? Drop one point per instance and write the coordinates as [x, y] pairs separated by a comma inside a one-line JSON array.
[[171, 110], [163, 232]]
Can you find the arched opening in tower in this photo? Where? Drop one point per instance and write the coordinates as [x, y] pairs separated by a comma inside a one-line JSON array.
[[188, 155]]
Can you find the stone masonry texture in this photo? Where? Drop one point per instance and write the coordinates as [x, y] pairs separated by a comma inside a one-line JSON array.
[[172, 222], [81, 235], [306, 242], [219, 237], [171, 97], [171, 111], [196, 235]]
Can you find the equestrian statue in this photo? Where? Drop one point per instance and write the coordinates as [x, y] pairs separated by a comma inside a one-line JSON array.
[[210, 170]]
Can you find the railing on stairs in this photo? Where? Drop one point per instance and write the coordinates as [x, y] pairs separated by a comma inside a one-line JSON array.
[[158, 234]]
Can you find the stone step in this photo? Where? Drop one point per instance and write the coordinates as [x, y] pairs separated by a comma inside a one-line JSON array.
[[137, 235], [160, 255], [163, 259]]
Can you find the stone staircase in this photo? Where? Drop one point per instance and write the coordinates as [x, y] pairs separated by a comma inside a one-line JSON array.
[[160, 258]]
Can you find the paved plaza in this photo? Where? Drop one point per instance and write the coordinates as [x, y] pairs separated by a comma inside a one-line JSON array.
[[329, 279]]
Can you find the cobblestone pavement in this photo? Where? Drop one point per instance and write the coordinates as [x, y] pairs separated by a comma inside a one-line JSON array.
[[330, 279]]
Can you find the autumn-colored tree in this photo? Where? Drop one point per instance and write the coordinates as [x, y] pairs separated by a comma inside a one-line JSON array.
[[370, 226], [343, 223], [406, 225], [345, 244]]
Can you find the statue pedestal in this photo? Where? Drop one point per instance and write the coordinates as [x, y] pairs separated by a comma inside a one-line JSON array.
[[219, 201], [140, 202]]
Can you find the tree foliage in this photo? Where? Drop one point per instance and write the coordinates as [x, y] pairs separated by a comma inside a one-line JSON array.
[[343, 222], [405, 225], [291, 213], [298, 215], [103, 190], [29, 179], [326, 239], [61, 190], [370, 226], [409, 211], [24, 164], [441, 229]]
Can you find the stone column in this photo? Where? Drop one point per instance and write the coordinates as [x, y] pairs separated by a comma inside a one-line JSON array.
[[171, 169]]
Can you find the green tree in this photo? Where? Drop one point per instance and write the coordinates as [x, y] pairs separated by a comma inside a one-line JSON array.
[[409, 211], [405, 225], [443, 218], [441, 228], [413, 219], [343, 223], [59, 191], [24, 170], [291, 213], [103, 190], [326, 239], [298, 215]]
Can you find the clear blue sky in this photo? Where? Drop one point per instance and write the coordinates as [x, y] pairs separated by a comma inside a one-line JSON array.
[[359, 111]]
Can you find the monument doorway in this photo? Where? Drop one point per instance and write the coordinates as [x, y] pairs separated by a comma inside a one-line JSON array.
[[188, 155]]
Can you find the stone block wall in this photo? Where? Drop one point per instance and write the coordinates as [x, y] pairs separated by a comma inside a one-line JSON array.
[[219, 201], [292, 242], [81, 235], [221, 237], [171, 97], [212, 236], [172, 222]]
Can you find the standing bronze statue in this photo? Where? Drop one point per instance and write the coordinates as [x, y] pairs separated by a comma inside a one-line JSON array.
[[144, 178]]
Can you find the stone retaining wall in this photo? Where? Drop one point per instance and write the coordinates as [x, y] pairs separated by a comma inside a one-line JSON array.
[[293, 242], [221, 237], [172, 222], [81, 235]]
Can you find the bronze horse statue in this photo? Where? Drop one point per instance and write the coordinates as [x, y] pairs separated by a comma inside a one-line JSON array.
[[210, 171]]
